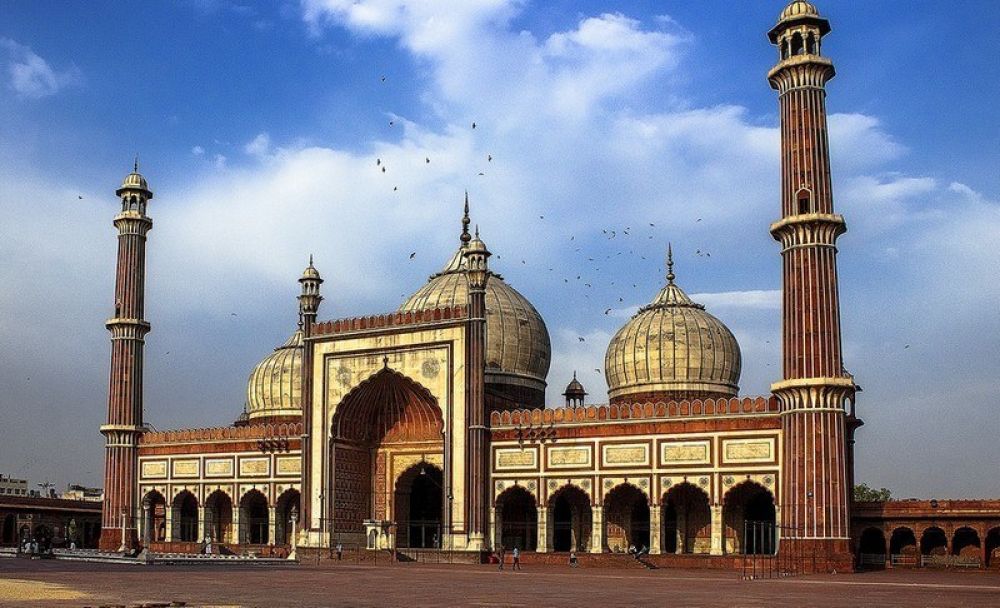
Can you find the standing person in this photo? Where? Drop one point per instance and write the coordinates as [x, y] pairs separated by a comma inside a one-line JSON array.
[[572, 559], [517, 559], [340, 550], [500, 556]]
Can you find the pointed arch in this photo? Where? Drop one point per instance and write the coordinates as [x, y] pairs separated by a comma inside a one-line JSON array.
[[184, 514], [418, 506], [686, 520], [626, 515], [517, 516], [571, 518], [219, 517], [157, 515], [750, 519], [388, 407], [287, 505], [254, 518]]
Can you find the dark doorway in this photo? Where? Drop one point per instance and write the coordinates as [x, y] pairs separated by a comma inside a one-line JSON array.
[[219, 511], [419, 507], [627, 512], [518, 519], [185, 517], [571, 519], [254, 518]]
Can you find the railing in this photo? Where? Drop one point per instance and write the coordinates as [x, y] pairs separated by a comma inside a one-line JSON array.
[[950, 561], [872, 560]]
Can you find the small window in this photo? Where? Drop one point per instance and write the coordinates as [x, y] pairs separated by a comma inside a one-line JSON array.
[[805, 202]]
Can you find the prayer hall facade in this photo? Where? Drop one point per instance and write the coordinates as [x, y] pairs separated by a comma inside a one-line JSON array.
[[426, 428]]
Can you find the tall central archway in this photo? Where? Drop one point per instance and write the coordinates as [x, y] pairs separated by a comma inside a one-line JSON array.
[[385, 415]]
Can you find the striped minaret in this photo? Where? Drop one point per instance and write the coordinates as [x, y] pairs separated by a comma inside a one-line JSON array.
[[815, 393], [477, 442], [128, 330]]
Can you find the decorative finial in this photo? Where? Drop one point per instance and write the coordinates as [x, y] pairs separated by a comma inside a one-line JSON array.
[[310, 259], [385, 362], [670, 264], [466, 221], [574, 374], [477, 231], [135, 165]]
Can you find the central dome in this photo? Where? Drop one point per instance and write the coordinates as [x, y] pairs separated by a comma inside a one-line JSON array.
[[672, 350], [518, 350]]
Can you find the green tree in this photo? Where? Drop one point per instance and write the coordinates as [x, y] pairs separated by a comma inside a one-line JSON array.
[[863, 493]]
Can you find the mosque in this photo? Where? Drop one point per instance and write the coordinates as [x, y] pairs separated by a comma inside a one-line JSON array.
[[426, 428]]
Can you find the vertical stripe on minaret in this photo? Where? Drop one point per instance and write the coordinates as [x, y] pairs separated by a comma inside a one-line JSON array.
[[815, 389], [477, 439], [128, 329]]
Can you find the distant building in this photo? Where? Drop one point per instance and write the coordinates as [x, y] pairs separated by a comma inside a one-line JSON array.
[[78, 492], [13, 487]]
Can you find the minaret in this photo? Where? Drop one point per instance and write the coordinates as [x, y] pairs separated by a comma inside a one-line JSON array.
[[815, 392], [128, 330], [477, 438], [309, 300]]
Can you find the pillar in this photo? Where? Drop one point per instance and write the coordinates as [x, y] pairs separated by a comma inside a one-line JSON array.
[[495, 525], [203, 529], [544, 545], [655, 529], [147, 524], [597, 530], [718, 530], [236, 533], [272, 523], [168, 523]]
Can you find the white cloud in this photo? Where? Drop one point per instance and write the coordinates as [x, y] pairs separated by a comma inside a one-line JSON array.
[[259, 146], [219, 161], [33, 77], [198, 151]]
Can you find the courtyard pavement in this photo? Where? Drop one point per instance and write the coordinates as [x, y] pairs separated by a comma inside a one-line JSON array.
[[62, 584]]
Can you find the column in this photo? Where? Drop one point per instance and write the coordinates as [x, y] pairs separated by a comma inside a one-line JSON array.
[[147, 524], [717, 531], [495, 526], [203, 529], [271, 524], [236, 533], [543, 531], [681, 545], [168, 523], [597, 530], [655, 532]]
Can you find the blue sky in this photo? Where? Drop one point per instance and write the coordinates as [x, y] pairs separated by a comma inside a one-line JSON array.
[[258, 126]]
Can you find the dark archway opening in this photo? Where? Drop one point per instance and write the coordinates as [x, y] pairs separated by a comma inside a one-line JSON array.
[[185, 517], [871, 548], [687, 520], [627, 512], [157, 516], [993, 547], [966, 543], [934, 542], [572, 518], [749, 515], [288, 503], [219, 517], [419, 507], [254, 518], [903, 542], [9, 529], [518, 514]]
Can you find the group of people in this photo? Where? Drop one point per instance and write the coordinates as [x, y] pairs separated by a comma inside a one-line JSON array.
[[501, 554], [35, 547]]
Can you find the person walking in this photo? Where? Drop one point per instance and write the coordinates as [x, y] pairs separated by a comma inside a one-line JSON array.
[[340, 551], [500, 556], [517, 560]]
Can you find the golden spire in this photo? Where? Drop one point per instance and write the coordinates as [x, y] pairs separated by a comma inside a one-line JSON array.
[[670, 264], [465, 238], [135, 165]]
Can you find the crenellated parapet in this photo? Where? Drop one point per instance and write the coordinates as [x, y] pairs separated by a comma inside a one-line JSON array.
[[735, 406], [392, 320], [226, 433]]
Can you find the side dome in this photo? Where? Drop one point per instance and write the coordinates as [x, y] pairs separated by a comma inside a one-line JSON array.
[[274, 390], [672, 349], [518, 350]]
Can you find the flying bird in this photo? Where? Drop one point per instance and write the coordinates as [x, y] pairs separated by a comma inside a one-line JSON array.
[[378, 161], [481, 173], [383, 79], [391, 123], [607, 311], [473, 125], [79, 197], [489, 158], [427, 160], [383, 169], [413, 255], [580, 338]]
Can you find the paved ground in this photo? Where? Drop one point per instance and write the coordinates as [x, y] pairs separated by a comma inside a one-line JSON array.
[[63, 584]]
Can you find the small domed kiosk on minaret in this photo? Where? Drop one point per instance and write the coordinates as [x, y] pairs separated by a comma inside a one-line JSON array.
[[815, 393]]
